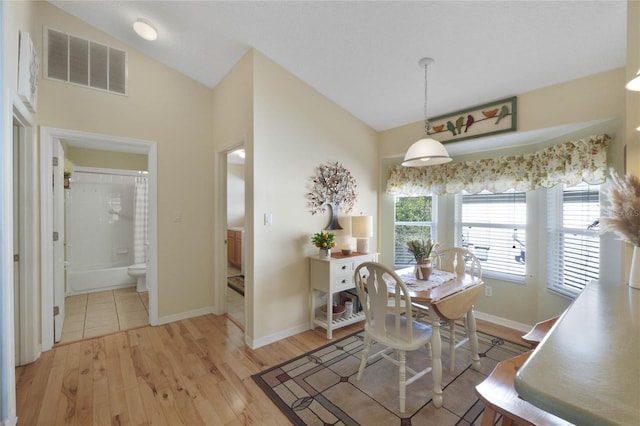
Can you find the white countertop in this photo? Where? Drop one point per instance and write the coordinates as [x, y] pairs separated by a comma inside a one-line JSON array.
[[587, 370]]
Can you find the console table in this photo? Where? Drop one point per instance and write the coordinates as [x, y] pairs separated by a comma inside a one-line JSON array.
[[331, 275], [587, 369]]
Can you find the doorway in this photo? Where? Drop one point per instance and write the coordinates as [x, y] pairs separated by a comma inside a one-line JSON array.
[[235, 219], [49, 138]]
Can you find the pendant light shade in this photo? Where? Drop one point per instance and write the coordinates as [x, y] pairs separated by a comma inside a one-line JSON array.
[[426, 151], [634, 84]]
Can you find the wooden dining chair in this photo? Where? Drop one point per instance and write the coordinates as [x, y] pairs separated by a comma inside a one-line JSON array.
[[397, 332], [499, 395], [538, 332], [461, 261]]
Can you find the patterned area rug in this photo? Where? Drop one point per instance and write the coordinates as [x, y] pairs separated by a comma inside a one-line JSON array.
[[320, 387], [236, 283]]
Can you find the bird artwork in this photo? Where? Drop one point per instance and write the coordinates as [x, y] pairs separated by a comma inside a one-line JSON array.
[[451, 127], [438, 129], [504, 111], [470, 121], [459, 122]]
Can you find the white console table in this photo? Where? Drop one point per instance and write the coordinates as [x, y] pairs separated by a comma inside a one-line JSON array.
[[331, 275]]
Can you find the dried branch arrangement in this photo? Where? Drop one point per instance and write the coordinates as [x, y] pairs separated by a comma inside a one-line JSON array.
[[622, 216]]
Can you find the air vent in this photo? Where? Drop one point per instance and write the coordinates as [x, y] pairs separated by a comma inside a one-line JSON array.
[[84, 62]]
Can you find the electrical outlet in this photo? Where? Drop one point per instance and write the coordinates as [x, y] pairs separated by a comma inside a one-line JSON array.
[[488, 291]]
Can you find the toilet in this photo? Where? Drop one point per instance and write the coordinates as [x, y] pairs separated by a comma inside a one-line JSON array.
[[139, 272]]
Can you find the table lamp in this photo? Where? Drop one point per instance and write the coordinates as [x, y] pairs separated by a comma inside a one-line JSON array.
[[362, 229]]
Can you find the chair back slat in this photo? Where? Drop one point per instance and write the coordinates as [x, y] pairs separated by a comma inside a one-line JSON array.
[[459, 260], [373, 281]]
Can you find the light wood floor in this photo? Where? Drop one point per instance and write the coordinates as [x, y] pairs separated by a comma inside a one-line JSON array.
[[191, 372]]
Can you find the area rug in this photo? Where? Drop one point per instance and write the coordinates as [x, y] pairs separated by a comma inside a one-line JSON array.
[[320, 387], [236, 283]]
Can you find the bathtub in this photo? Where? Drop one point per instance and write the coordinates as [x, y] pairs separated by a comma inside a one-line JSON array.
[[85, 280]]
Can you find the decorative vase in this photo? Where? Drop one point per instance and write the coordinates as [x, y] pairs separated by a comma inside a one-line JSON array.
[[634, 272], [423, 270], [325, 252], [333, 223]]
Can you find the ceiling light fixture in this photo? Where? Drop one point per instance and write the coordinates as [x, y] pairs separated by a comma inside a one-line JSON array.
[[426, 151], [145, 29]]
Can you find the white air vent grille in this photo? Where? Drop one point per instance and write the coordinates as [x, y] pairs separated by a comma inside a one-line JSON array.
[[86, 63]]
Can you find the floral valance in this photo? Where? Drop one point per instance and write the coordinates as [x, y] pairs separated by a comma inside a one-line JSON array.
[[569, 162]]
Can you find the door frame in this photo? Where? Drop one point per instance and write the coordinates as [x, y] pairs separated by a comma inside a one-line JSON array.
[[48, 135], [27, 343], [220, 261]]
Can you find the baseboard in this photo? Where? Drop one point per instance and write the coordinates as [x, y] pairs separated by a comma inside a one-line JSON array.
[[185, 315], [9, 422], [503, 321], [255, 344]]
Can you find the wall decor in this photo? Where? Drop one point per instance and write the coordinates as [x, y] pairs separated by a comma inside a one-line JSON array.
[[28, 72], [482, 120], [335, 188]]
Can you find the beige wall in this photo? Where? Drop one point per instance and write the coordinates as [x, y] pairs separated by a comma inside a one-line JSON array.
[[587, 100], [232, 118], [296, 130], [105, 159], [162, 106], [633, 98]]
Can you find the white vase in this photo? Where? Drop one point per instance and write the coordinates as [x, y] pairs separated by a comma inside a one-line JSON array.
[[634, 272], [325, 252]]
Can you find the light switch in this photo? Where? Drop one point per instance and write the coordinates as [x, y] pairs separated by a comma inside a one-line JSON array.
[[268, 219]]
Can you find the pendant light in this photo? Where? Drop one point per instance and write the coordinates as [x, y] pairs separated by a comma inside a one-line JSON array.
[[426, 151], [634, 83]]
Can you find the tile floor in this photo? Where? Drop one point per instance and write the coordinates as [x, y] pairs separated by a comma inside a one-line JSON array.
[[95, 314]]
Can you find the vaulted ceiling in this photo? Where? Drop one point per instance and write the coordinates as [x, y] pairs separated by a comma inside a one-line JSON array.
[[364, 55]]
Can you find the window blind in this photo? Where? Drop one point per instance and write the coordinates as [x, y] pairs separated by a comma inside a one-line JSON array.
[[493, 227], [573, 243]]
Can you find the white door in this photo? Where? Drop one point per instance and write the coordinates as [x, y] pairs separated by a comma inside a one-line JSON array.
[[58, 241]]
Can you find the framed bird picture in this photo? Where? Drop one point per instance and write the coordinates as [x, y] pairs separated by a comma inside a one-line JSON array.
[[480, 121]]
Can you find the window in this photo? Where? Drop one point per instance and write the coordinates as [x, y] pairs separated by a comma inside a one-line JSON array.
[[413, 221], [573, 243], [493, 227]]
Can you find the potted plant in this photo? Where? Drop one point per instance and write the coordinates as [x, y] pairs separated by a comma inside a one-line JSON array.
[[421, 251], [324, 241]]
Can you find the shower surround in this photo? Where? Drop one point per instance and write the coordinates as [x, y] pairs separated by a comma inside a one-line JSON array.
[[100, 228]]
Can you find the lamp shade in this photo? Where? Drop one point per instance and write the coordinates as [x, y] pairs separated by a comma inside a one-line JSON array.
[[362, 226], [426, 152]]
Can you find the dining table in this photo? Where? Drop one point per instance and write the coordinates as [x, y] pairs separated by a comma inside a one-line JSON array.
[[447, 296]]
